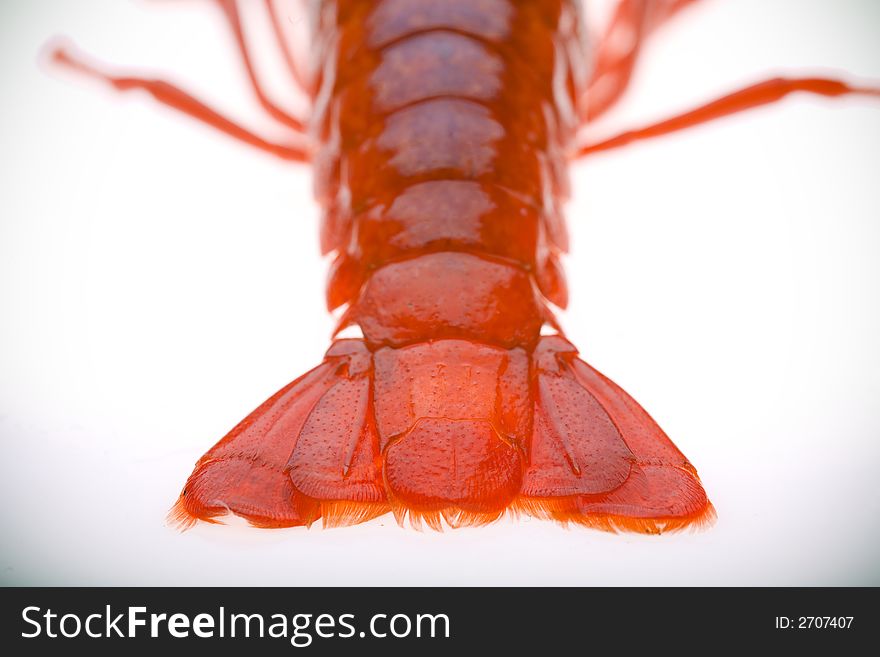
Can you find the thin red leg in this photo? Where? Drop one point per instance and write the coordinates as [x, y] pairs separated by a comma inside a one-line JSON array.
[[173, 96], [233, 17], [289, 59], [619, 48], [763, 93]]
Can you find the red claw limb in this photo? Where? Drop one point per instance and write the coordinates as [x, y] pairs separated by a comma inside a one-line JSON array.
[[233, 17], [290, 60], [619, 48], [756, 95], [618, 51], [176, 98]]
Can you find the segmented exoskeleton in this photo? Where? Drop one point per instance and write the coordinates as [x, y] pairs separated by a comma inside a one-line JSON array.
[[440, 135]]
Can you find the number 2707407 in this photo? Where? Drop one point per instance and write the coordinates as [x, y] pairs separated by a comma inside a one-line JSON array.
[[814, 622]]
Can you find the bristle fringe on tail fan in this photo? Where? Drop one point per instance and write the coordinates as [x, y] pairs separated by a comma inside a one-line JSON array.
[[451, 517], [345, 513], [565, 513]]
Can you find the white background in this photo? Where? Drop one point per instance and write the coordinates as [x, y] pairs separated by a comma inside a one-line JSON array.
[[159, 281]]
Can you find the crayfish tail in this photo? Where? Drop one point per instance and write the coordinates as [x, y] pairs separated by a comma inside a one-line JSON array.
[[451, 415], [596, 458], [309, 450], [448, 433]]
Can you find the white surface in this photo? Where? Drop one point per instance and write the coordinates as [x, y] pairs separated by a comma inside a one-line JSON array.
[[159, 281]]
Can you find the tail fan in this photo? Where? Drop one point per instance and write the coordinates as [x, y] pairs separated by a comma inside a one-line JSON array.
[[308, 451], [448, 431], [598, 459], [451, 415]]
